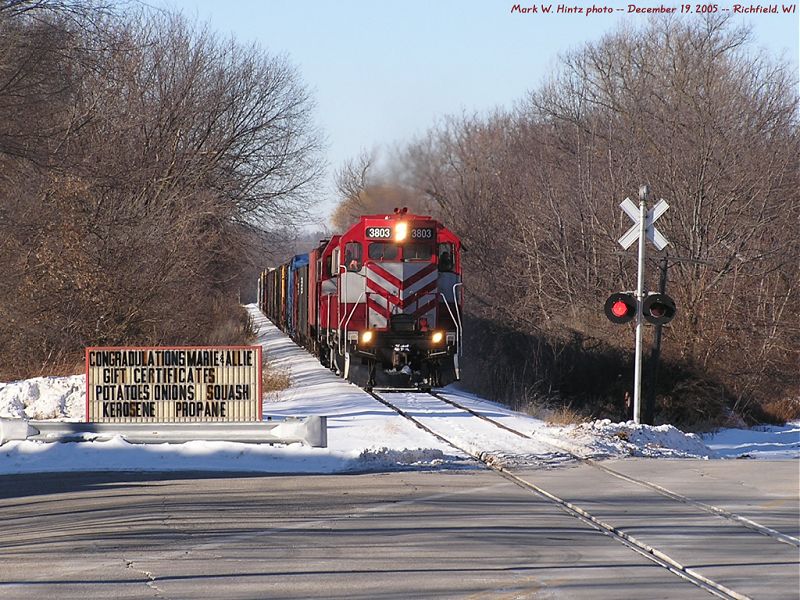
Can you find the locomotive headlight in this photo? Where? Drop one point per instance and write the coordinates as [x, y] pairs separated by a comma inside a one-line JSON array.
[[367, 336], [437, 337], [401, 231]]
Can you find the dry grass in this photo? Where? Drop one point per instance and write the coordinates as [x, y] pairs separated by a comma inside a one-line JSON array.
[[75, 367], [61, 366], [549, 410], [565, 415], [231, 325], [778, 412], [274, 380]]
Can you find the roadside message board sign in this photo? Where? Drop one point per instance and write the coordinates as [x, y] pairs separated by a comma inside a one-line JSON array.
[[173, 384]]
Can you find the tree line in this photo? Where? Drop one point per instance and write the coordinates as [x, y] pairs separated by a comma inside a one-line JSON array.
[[711, 124], [143, 162]]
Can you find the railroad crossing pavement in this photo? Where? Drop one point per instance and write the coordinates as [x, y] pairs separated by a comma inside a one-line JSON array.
[[766, 491], [722, 550], [454, 534]]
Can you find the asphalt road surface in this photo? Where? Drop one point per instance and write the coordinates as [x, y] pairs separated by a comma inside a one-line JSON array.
[[454, 534]]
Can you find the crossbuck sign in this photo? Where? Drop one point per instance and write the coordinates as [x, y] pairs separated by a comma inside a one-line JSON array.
[[652, 234]]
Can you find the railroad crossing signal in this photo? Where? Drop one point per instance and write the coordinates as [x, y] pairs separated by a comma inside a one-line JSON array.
[[658, 309], [642, 229], [652, 234]]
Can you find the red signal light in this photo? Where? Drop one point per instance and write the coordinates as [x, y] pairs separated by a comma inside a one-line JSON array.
[[619, 308]]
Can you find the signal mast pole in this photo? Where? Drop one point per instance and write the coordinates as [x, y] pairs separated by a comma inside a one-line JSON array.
[[644, 192]]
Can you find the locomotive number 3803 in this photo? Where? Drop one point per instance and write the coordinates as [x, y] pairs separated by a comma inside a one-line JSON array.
[[422, 233], [384, 233], [379, 232]]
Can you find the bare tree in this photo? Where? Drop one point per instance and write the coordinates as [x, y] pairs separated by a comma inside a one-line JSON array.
[[363, 192], [351, 179], [132, 205], [715, 128]]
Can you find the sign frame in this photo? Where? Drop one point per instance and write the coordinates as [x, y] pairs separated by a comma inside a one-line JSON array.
[[256, 411]]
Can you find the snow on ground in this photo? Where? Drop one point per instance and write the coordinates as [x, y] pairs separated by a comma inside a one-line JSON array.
[[768, 441], [598, 439], [363, 435]]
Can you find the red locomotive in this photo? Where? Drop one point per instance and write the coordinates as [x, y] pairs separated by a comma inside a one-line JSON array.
[[379, 304]]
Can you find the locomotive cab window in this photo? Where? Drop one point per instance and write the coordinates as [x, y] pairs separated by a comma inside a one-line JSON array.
[[335, 263], [380, 251], [446, 259], [418, 251], [352, 256]]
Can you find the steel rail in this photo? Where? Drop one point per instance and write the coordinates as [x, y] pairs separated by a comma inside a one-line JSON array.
[[650, 553]]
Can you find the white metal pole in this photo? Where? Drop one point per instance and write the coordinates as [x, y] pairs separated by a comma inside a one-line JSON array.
[[637, 377]]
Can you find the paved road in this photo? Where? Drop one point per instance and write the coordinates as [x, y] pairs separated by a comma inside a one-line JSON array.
[[463, 534]]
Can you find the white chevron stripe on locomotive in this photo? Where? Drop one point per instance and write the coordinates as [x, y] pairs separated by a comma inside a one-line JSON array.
[[388, 294], [378, 314], [428, 281], [381, 284], [412, 277]]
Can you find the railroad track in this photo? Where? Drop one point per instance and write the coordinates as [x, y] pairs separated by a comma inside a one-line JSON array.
[[497, 465]]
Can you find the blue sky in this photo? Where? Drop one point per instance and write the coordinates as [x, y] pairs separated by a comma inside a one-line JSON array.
[[383, 71]]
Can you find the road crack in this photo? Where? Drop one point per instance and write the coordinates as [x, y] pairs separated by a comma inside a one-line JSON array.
[[151, 578]]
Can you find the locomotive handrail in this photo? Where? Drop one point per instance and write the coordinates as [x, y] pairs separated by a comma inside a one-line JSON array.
[[366, 293], [344, 329], [457, 323], [452, 316], [342, 270], [458, 314], [328, 329]]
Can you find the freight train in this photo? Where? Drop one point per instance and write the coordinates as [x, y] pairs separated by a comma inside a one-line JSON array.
[[380, 304]]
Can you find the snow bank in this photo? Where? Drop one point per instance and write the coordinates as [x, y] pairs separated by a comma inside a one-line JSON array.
[[43, 398], [119, 455], [600, 439]]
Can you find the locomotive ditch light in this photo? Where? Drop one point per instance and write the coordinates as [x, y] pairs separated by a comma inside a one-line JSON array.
[[620, 308], [658, 309], [437, 337], [367, 336]]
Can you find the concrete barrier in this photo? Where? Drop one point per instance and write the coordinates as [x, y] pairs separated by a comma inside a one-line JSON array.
[[312, 431]]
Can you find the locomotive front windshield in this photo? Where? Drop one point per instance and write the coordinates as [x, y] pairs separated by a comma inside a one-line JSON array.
[[380, 251], [387, 251], [418, 251]]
